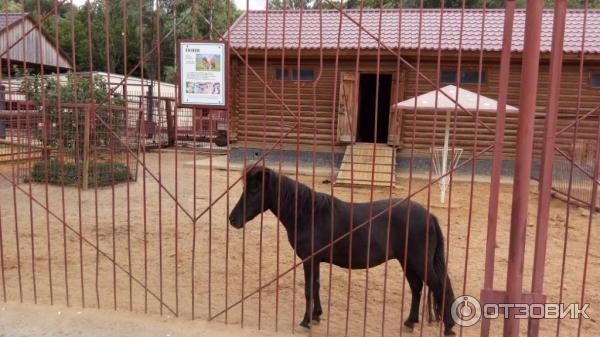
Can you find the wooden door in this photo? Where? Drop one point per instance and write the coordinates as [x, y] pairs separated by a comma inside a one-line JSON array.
[[395, 124], [347, 108]]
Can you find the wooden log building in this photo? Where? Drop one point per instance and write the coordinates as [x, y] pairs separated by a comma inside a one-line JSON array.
[[326, 72]]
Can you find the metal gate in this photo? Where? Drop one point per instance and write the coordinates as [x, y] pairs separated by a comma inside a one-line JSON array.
[[116, 197]]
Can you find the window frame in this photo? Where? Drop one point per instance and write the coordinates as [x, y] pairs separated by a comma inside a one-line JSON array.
[[484, 77], [289, 71], [593, 73]]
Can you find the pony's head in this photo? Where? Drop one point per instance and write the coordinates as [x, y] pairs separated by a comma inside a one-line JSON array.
[[255, 184]]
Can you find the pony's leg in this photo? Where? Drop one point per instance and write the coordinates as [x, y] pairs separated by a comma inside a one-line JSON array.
[[308, 267], [317, 310], [431, 315], [416, 285], [436, 286]]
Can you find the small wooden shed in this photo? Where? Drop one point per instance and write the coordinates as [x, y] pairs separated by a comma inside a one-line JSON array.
[[21, 41]]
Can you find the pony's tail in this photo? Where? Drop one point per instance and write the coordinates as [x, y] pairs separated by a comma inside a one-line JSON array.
[[439, 268]]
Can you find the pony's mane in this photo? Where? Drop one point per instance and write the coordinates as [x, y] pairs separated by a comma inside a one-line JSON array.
[[287, 194]]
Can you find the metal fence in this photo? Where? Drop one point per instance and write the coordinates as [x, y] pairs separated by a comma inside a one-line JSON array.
[[149, 217]]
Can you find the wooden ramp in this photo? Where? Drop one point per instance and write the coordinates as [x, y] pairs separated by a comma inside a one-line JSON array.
[[357, 165]]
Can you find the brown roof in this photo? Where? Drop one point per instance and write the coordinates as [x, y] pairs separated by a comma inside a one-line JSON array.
[[473, 21], [8, 19]]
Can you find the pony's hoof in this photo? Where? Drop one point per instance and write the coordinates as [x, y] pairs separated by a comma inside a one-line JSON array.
[[449, 332], [316, 320], [409, 326], [305, 325], [300, 330]]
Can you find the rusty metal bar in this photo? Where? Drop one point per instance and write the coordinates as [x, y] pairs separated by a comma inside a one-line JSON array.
[[2, 258], [353, 139], [491, 245], [546, 169], [523, 160], [572, 165], [46, 161], [373, 157], [128, 168], [590, 221], [61, 154]]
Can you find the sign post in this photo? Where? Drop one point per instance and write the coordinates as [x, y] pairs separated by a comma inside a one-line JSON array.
[[202, 74], [202, 69]]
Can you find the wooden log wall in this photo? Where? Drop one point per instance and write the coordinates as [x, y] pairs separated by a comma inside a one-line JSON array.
[[423, 122], [256, 120]]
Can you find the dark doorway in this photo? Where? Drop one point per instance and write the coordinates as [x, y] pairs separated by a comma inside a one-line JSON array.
[[368, 98]]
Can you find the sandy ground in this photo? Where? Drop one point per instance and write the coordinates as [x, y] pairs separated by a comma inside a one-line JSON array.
[[21, 320], [202, 272]]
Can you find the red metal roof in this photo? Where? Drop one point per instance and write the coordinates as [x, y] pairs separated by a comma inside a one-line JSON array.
[[321, 29]]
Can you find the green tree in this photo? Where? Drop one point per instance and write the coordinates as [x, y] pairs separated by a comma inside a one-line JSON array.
[[293, 4]]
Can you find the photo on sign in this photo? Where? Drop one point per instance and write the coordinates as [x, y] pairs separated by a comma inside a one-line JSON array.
[[206, 88], [210, 62]]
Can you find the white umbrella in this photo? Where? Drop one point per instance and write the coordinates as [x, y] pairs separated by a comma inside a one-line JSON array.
[[436, 100]]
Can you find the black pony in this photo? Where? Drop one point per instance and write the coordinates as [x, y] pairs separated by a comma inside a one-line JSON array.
[[307, 216]]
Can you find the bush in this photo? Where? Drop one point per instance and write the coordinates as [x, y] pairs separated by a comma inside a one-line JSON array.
[[69, 173]]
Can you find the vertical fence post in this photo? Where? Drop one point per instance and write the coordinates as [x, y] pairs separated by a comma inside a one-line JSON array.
[[170, 123], [490, 249], [3, 97], [86, 147], [546, 167], [523, 161]]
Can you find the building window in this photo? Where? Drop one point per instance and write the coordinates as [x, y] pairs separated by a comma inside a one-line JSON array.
[[306, 74], [595, 80], [466, 77], [449, 76], [278, 74], [292, 74]]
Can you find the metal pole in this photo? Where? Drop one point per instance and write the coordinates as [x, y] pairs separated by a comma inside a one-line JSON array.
[[546, 168], [490, 249], [444, 181], [86, 148], [523, 160]]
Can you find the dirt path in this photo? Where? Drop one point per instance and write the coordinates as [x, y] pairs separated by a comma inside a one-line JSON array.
[[199, 269], [26, 320]]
